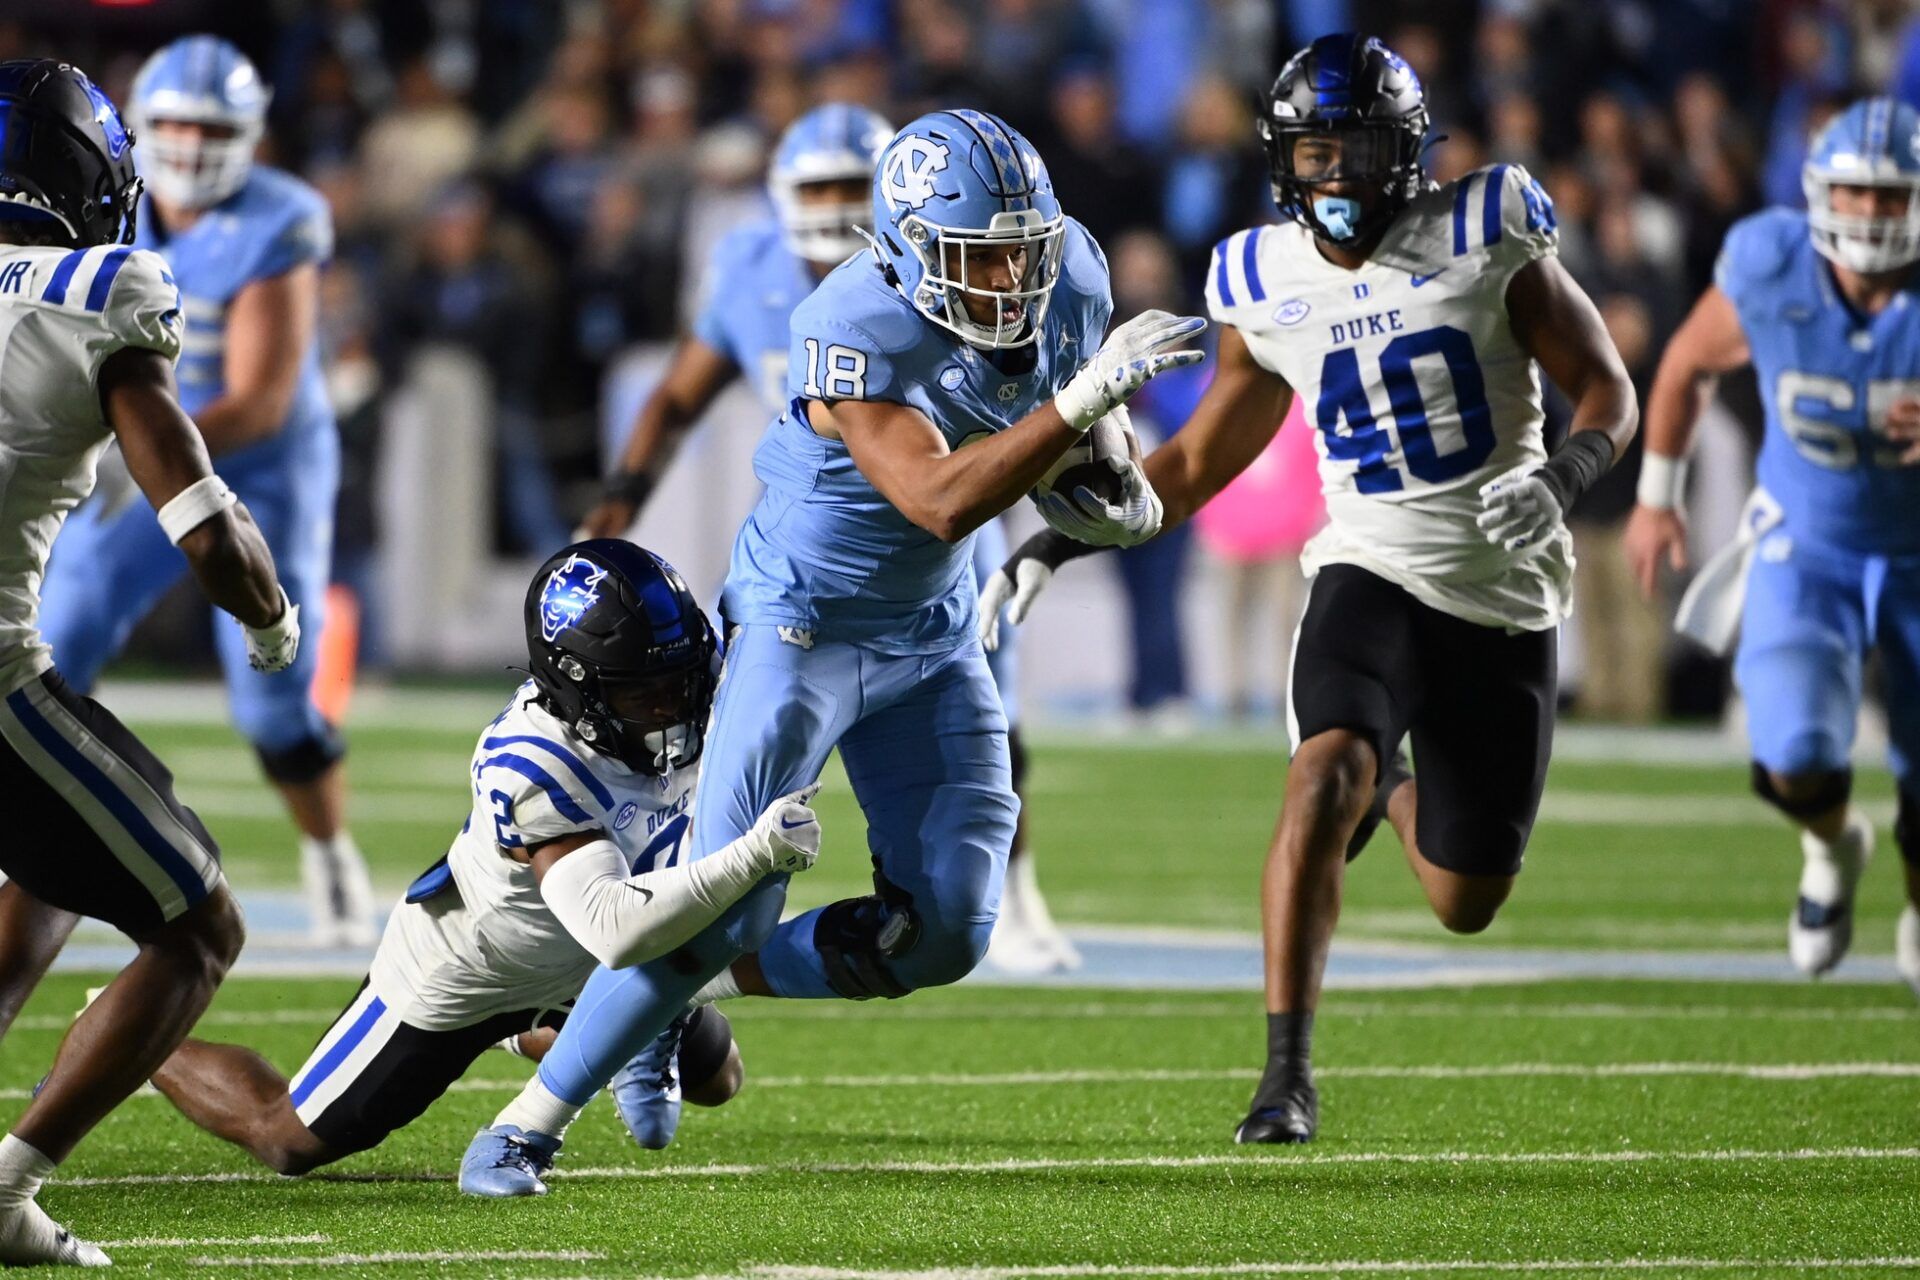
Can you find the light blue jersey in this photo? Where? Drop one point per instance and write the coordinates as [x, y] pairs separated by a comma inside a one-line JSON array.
[[824, 551], [753, 284], [271, 225], [1827, 377]]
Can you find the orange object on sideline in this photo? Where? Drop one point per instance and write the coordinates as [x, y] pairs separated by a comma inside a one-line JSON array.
[[339, 642]]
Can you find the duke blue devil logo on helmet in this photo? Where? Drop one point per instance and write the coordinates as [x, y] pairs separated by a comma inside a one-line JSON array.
[[571, 590]]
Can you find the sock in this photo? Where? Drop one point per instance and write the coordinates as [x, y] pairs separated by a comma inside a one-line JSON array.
[[22, 1170], [1826, 878], [723, 987], [1289, 1054], [536, 1110]]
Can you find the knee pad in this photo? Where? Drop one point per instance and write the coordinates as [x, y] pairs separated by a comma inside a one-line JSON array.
[[1906, 828], [857, 937], [306, 759], [1835, 788], [704, 1045]]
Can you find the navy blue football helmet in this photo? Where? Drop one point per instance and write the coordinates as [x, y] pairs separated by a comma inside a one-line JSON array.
[[1345, 111], [66, 158], [622, 653]]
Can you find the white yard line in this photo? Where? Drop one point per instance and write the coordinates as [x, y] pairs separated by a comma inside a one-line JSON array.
[[205, 1242], [421, 1255], [1238, 1160], [1372, 1266]]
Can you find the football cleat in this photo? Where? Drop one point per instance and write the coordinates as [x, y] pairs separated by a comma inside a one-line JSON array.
[[1294, 1118], [1821, 927], [507, 1161], [1397, 771], [1026, 941], [1906, 947], [647, 1089], [29, 1238]]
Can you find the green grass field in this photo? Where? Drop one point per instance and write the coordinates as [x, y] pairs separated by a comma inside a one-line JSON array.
[[985, 1133]]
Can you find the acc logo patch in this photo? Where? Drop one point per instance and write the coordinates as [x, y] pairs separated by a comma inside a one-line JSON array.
[[1292, 311], [571, 590], [952, 376], [906, 177], [624, 819]]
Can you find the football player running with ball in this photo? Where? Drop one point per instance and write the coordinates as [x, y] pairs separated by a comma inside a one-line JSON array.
[[1827, 566], [1412, 319], [932, 382], [89, 330]]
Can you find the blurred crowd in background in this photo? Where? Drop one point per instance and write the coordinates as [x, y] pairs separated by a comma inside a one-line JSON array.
[[540, 182]]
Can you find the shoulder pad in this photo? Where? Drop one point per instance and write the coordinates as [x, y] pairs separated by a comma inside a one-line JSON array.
[[746, 244], [547, 786], [1757, 249], [1083, 273], [1234, 278], [136, 292], [296, 222], [1504, 211], [856, 324]]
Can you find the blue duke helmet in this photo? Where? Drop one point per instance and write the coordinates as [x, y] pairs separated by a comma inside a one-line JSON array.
[[954, 181], [838, 142], [1873, 143], [66, 160], [622, 653], [206, 81]]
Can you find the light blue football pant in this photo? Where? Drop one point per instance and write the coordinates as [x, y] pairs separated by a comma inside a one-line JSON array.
[[112, 563], [1812, 612], [989, 553], [924, 742]]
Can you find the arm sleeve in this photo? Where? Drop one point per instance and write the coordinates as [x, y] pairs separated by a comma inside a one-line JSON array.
[[532, 800], [831, 359], [305, 235], [710, 322], [143, 306], [625, 920]]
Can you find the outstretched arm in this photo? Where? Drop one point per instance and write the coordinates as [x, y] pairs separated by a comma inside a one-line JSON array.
[[1709, 343], [695, 376]]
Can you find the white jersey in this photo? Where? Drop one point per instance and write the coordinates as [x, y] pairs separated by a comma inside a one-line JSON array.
[[481, 940], [1417, 389], [62, 313]]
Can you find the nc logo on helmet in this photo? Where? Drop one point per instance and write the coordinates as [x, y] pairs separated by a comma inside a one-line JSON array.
[[908, 176], [571, 590]]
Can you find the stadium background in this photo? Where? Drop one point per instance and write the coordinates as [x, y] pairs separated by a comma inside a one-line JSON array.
[[526, 193]]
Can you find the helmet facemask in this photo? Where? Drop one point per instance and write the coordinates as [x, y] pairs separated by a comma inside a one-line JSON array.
[[816, 226], [196, 168], [956, 264], [1309, 159], [1863, 242]]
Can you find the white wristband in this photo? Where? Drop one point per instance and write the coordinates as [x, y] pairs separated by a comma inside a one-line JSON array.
[[1663, 481], [194, 505]]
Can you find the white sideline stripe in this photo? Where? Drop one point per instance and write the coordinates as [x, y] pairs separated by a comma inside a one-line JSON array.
[[1376, 1266], [1244, 1161], [200, 1242], [263, 1018], [422, 1255], [1787, 1071]]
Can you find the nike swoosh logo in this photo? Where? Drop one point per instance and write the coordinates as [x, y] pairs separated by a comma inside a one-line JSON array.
[[641, 889], [1420, 280], [794, 826]]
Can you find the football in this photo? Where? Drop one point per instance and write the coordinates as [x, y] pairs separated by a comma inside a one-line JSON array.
[[1090, 462]]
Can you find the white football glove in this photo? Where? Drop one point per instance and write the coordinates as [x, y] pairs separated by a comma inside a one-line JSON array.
[[1518, 510], [1132, 354], [786, 837], [1085, 517], [273, 647], [1015, 593]]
